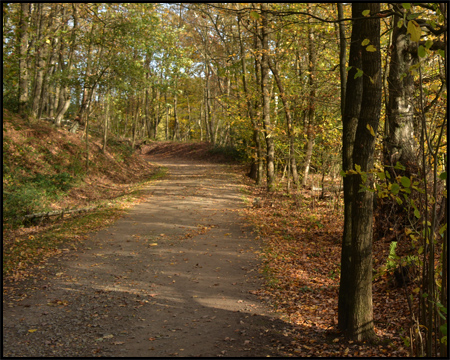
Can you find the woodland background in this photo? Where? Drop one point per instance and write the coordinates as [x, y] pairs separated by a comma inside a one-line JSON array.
[[314, 98]]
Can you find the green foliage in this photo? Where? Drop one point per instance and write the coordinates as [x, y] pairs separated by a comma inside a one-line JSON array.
[[392, 259], [53, 183], [34, 194]]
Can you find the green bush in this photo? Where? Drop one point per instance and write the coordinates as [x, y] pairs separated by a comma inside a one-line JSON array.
[[53, 183], [34, 194], [22, 201]]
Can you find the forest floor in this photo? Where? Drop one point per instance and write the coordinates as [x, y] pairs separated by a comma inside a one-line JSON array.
[[202, 264]]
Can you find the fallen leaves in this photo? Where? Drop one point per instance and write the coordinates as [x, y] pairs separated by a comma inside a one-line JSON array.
[[301, 255]]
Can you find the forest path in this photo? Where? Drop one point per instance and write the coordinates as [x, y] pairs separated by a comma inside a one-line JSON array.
[[174, 277]]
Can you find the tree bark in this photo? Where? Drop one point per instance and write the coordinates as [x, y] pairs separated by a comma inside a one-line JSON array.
[[23, 48], [270, 155], [64, 97], [105, 130], [255, 169], [175, 115], [310, 133], [350, 115], [287, 111], [399, 143], [41, 48], [360, 325], [342, 55]]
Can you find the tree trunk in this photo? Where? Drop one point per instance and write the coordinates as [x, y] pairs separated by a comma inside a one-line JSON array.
[[105, 130], [41, 47], [266, 98], [87, 84], [209, 113], [135, 122], [342, 55], [360, 325], [310, 133], [167, 116], [399, 143], [23, 48], [175, 115], [287, 111], [255, 169], [64, 97], [350, 116]]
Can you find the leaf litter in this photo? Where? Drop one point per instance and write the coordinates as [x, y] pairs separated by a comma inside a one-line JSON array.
[[301, 237]]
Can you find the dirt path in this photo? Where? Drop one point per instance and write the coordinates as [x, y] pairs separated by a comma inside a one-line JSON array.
[[174, 277]]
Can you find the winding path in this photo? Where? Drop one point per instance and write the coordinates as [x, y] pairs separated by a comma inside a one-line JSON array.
[[174, 277]]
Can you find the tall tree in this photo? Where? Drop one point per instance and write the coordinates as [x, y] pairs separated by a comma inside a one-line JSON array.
[[310, 113], [359, 308], [350, 116], [23, 49], [268, 127]]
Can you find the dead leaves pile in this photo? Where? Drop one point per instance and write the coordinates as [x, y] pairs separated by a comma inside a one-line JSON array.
[[301, 238]]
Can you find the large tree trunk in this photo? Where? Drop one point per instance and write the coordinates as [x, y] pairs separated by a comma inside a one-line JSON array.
[[266, 99], [350, 115], [360, 326], [23, 48]]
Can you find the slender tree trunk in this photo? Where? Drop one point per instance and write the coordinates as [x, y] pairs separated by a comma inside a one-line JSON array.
[[167, 116], [23, 48], [257, 108], [266, 98], [41, 47], [310, 133], [287, 111], [135, 122], [255, 173], [175, 115], [87, 84], [210, 115], [147, 119], [349, 122], [64, 98], [106, 124]]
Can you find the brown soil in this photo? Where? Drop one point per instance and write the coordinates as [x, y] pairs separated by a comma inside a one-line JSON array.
[[176, 276]]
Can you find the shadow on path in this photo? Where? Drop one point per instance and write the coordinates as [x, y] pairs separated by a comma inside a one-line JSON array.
[[173, 277]]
